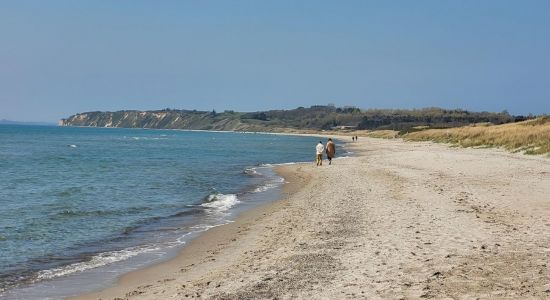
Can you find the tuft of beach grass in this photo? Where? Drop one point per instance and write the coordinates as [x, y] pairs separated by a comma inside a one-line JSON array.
[[529, 137]]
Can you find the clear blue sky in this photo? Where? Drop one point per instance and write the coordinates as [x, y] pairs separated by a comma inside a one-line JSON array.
[[58, 58]]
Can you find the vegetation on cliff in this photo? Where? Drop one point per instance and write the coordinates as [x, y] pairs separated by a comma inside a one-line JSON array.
[[313, 118]]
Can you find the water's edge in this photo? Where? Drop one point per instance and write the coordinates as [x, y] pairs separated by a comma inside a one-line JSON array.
[[101, 270]]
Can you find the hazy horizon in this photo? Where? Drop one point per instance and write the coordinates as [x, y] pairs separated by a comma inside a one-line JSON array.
[[66, 57]]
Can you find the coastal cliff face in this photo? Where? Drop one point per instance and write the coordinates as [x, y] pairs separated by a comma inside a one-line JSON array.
[[165, 119]]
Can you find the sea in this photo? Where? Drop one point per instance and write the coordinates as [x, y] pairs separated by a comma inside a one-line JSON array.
[[81, 206]]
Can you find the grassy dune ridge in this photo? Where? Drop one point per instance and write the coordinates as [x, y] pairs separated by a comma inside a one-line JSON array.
[[530, 137]]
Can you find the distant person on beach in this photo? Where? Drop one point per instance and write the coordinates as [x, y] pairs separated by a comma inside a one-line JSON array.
[[353, 139], [319, 150], [356, 137], [331, 150]]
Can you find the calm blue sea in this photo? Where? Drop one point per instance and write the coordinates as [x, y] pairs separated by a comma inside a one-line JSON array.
[[77, 199]]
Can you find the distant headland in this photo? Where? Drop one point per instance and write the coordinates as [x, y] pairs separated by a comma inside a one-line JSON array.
[[318, 117]]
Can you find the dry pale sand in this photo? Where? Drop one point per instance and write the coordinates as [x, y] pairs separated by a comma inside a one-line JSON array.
[[398, 221]]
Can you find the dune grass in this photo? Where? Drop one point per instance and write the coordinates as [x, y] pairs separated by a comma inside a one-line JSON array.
[[382, 134], [529, 137]]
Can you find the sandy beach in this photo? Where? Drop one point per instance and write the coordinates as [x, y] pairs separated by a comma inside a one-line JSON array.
[[399, 220]]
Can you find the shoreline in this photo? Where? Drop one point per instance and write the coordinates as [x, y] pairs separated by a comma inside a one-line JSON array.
[[224, 234], [32, 289], [399, 220], [199, 251]]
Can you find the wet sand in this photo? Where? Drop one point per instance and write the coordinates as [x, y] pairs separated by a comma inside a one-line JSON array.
[[400, 220]]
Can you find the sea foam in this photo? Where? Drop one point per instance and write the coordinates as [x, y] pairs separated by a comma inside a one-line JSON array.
[[221, 202], [96, 261]]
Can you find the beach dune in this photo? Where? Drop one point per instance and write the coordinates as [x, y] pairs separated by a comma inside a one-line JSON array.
[[399, 220]]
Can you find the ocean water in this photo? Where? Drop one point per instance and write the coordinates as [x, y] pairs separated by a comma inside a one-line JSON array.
[[76, 200]]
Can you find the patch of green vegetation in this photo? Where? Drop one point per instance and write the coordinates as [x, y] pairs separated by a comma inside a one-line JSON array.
[[317, 117]]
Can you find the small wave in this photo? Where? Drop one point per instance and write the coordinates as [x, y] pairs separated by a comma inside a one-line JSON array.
[[252, 172], [68, 213], [221, 202], [96, 261], [280, 164], [137, 138], [72, 146], [269, 185], [191, 211]]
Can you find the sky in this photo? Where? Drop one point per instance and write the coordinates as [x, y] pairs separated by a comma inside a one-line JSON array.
[[58, 58]]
